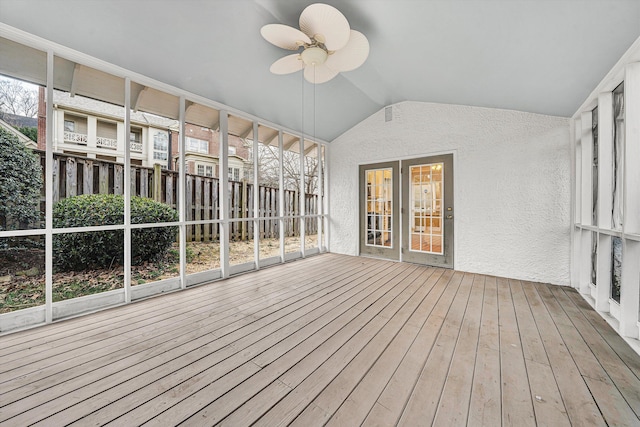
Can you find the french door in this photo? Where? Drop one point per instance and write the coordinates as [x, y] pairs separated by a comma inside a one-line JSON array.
[[406, 210], [379, 210]]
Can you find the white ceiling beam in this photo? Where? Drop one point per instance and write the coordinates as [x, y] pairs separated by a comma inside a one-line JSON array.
[[269, 140], [139, 98], [245, 133], [290, 144], [74, 80]]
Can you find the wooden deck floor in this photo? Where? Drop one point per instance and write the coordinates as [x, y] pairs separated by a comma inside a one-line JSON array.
[[329, 339]]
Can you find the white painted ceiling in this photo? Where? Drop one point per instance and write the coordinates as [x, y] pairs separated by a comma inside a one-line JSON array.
[[540, 56]]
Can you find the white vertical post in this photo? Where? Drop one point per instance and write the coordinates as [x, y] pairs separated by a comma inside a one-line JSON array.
[[302, 198], [605, 159], [577, 242], [578, 183], [631, 157], [281, 192], [256, 196], [182, 197], [320, 187], [630, 289], [574, 231], [605, 189], [224, 193], [586, 141], [48, 217], [127, 190], [326, 201]]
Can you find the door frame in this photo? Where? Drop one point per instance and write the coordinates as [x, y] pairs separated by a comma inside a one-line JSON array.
[[393, 252], [401, 232], [447, 211]]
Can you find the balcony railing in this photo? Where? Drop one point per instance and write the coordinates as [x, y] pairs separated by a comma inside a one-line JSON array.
[[101, 141], [76, 138], [104, 142]]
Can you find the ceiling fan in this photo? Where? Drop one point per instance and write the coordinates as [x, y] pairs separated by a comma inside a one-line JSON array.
[[326, 45]]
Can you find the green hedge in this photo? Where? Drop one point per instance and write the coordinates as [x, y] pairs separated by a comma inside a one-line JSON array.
[[103, 249], [20, 183]]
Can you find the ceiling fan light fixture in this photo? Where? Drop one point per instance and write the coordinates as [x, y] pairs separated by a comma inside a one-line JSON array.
[[325, 43], [314, 56]]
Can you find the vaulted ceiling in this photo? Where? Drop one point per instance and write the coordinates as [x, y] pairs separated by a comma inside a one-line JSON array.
[[538, 56]]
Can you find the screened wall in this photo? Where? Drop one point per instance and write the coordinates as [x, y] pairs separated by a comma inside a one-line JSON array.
[[116, 187], [606, 234]]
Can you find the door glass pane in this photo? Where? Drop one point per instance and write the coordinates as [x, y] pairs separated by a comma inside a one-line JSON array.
[[379, 196], [425, 201]]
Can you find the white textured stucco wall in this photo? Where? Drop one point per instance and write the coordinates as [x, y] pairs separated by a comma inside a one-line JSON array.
[[512, 183]]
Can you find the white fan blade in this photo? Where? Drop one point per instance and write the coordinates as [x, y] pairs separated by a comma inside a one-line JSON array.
[[352, 55], [284, 36], [318, 73], [287, 65], [328, 22]]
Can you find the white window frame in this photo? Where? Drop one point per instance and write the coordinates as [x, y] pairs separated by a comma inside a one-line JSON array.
[[196, 145]]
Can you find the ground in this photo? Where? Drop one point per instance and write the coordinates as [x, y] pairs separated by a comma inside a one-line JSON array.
[[22, 275]]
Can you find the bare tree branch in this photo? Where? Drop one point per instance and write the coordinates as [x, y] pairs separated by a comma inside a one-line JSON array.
[[16, 98]]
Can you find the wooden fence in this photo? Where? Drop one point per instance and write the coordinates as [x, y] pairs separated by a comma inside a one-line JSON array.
[[75, 175]]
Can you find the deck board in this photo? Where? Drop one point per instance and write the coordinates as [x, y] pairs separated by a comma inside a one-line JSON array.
[[333, 340], [485, 406]]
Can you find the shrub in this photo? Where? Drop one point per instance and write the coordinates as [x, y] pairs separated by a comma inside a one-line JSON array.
[[77, 251], [20, 183]]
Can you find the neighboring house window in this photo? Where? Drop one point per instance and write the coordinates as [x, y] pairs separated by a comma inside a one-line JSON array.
[[197, 145], [160, 146], [135, 140], [204, 170], [69, 126], [232, 151], [135, 137], [234, 174]]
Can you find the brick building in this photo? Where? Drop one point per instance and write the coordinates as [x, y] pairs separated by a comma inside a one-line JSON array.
[[95, 129]]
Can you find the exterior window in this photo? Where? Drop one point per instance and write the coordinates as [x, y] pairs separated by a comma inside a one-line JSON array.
[[69, 126], [232, 151], [234, 174], [209, 170], [197, 145], [135, 140], [160, 146], [135, 137], [200, 170]]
